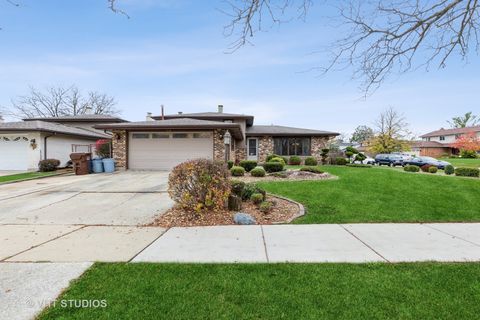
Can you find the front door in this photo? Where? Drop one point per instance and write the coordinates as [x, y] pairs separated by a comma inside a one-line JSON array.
[[252, 149]]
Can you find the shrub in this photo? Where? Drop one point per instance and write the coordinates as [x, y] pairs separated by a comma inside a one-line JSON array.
[[258, 172], [248, 165], [311, 161], [358, 165], [266, 206], [230, 164], [468, 154], [411, 168], [467, 172], [279, 160], [360, 157], [257, 198], [237, 171], [295, 160], [271, 156], [237, 187], [449, 169], [340, 161], [432, 169], [48, 165], [102, 148], [425, 167], [280, 174], [250, 189], [273, 167], [311, 169], [324, 155], [199, 184]]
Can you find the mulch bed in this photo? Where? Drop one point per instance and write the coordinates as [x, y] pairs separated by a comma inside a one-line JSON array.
[[282, 212], [289, 175]]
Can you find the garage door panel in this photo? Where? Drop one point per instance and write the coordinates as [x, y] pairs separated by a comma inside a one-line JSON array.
[[13, 153], [164, 154]]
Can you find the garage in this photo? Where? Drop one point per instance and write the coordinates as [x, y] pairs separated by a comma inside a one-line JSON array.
[[164, 150], [14, 152]]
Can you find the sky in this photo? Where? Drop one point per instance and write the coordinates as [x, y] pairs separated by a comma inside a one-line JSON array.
[[175, 53]]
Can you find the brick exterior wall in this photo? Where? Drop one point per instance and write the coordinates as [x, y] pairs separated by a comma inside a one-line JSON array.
[[435, 152], [240, 151], [317, 144], [265, 147], [218, 145], [119, 147]]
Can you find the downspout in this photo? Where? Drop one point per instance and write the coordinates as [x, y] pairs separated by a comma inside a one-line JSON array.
[[45, 145]]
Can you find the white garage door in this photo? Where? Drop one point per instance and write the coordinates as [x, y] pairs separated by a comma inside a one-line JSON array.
[[14, 153], [164, 150]]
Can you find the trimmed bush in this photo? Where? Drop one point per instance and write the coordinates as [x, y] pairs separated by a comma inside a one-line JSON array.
[[425, 167], [250, 189], [295, 160], [48, 165], [311, 169], [411, 168], [248, 165], [200, 184], [311, 161], [340, 161], [273, 166], [258, 172], [237, 171], [358, 165], [449, 169], [469, 154], [237, 187], [467, 172], [266, 206], [271, 156], [257, 198], [432, 169], [279, 160], [230, 164]]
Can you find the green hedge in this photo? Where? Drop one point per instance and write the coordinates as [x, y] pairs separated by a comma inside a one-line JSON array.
[[358, 165], [248, 165], [411, 168], [273, 166], [467, 172]]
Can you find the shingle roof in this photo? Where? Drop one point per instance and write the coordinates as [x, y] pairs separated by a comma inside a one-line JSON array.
[[446, 132], [286, 131], [208, 116], [80, 117], [429, 144], [43, 126], [175, 124]]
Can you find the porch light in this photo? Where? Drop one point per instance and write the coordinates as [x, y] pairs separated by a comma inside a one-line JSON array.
[[227, 138]]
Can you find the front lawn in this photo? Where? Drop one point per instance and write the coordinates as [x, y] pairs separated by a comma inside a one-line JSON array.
[[24, 176], [461, 162], [276, 291], [383, 195]]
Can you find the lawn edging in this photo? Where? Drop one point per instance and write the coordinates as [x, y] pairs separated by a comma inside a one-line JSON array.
[[301, 208]]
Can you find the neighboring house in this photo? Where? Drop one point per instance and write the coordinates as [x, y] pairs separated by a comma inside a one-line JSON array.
[[162, 142], [23, 144], [441, 142]]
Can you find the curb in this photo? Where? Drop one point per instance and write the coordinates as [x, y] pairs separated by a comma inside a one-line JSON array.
[[36, 178]]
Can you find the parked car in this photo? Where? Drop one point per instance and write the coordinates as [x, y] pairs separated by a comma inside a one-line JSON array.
[[368, 160], [420, 161], [389, 159], [405, 156]]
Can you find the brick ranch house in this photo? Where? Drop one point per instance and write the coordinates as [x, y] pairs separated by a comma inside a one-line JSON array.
[[161, 142], [440, 142]]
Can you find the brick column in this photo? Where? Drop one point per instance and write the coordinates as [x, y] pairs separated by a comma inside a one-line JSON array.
[[318, 143], [265, 148], [218, 145], [120, 148]]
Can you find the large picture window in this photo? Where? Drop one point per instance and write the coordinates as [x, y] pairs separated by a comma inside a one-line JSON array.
[[292, 146]]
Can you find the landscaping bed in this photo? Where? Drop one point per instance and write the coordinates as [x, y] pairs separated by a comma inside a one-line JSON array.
[[283, 211], [288, 175]]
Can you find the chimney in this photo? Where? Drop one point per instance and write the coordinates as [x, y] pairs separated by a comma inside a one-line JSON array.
[[220, 108], [149, 116], [180, 112], [88, 110], [163, 112]]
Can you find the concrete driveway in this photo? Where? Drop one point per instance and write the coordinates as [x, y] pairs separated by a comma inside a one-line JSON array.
[[120, 199]]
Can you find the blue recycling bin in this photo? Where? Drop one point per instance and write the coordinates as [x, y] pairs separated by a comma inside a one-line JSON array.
[[108, 165], [97, 165]]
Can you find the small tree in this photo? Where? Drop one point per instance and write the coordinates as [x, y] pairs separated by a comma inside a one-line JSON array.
[[102, 148], [324, 155], [350, 152], [468, 144], [360, 157]]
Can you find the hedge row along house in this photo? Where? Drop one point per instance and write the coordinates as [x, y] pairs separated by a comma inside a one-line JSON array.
[[161, 142]]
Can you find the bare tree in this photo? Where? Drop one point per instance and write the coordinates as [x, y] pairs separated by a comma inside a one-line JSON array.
[[391, 132], [384, 35], [59, 101]]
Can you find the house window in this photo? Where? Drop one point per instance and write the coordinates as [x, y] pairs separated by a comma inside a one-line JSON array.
[[160, 135], [180, 135], [292, 146], [442, 138], [140, 135], [202, 135]]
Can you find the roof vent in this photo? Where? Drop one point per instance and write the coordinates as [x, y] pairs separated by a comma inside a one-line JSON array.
[[220, 108], [149, 116]]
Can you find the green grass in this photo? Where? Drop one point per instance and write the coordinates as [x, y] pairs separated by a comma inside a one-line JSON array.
[[460, 162], [23, 176], [383, 195], [276, 291]]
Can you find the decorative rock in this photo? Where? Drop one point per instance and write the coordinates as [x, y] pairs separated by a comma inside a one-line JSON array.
[[243, 218]]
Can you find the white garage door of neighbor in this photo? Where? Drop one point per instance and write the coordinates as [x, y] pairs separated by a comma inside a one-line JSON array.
[[14, 153], [163, 150]]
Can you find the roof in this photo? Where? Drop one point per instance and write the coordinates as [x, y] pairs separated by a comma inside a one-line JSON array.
[[429, 144], [80, 118], [43, 126], [208, 116], [446, 132], [286, 131], [175, 124]]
